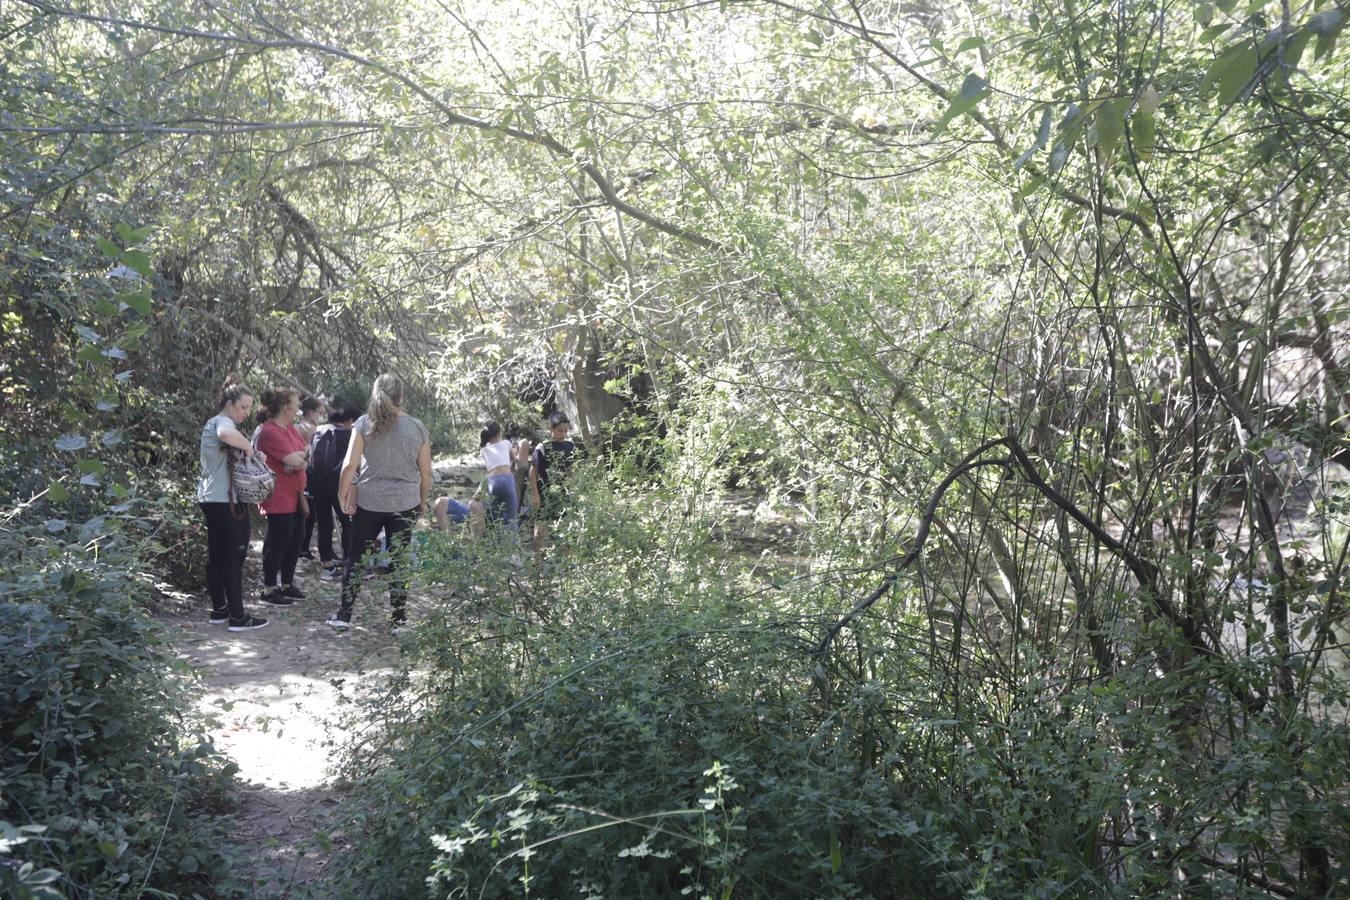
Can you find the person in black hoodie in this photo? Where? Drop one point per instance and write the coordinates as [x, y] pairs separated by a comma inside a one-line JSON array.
[[329, 448]]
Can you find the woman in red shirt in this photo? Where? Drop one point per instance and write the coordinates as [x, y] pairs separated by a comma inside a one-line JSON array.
[[287, 456]]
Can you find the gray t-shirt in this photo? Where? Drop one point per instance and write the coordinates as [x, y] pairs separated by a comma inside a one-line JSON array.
[[214, 484], [390, 479]]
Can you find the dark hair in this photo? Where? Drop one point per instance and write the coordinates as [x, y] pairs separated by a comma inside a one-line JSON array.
[[233, 390], [491, 431], [347, 413], [277, 399], [558, 417], [309, 404]]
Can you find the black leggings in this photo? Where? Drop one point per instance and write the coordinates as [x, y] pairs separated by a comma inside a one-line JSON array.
[[325, 507], [366, 526], [226, 547], [281, 547]]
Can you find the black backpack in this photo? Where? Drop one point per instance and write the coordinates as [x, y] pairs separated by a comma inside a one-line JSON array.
[[327, 458]]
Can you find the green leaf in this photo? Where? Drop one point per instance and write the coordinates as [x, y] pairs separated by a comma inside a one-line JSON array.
[[1042, 138], [1204, 13], [1231, 71], [1059, 155], [836, 854], [1149, 100], [1294, 47], [1325, 44], [57, 493], [1326, 23], [973, 90], [1236, 78], [1143, 135], [1209, 34], [1109, 126], [137, 300], [109, 248], [970, 43], [140, 261], [1030, 187]]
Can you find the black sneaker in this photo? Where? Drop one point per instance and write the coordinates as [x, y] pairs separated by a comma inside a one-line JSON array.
[[275, 597], [219, 616], [247, 623], [293, 592], [308, 554], [340, 623], [332, 572]]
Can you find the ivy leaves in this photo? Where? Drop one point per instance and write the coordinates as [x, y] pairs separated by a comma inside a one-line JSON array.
[[126, 317]]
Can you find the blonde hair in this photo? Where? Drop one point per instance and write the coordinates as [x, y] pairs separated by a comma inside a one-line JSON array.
[[386, 399]]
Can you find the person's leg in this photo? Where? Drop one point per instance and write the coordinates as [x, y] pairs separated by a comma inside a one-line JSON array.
[[218, 533], [512, 504], [275, 543], [541, 523], [365, 526], [497, 499], [398, 531], [322, 508], [346, 522], [310, 521], [477, 519], [236, 553], [292, 555]]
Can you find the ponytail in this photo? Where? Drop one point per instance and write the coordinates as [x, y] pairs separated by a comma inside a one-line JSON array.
[[386, 399], [491, 432], [232, 391]]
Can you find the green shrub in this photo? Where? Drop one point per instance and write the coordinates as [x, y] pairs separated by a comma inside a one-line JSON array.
[[629, 718], [109, 784]]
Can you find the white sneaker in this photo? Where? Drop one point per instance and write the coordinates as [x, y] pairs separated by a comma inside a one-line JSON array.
[[339, 624]]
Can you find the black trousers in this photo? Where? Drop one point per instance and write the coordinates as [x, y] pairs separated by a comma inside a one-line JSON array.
[[281, 547], [324, 506], [310, 521], [226, 547], [366, 526]]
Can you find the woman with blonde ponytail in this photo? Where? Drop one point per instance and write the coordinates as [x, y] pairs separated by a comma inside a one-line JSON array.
[[386, 477]]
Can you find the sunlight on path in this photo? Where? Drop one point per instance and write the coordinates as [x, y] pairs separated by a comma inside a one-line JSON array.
[[272, 695]]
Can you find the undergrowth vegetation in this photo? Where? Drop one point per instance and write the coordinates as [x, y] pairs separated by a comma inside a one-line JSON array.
[[635, 719], [109, 785]]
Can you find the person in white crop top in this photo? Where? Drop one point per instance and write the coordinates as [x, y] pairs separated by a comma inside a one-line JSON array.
[[503, 504]]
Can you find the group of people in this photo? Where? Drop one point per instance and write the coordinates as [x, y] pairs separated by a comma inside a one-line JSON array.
[[371, 474]]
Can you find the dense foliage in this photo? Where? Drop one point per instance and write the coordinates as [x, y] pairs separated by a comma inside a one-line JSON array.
[[110, 785], [1020, 326]]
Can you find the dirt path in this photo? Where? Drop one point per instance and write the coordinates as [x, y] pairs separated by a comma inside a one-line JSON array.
[[271, 695]]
